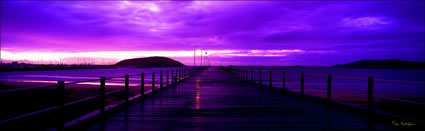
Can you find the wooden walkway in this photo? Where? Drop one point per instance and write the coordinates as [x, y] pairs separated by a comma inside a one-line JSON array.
[[213, 100]]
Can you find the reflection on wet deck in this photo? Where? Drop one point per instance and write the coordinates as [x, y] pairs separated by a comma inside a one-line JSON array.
[[213, 100]]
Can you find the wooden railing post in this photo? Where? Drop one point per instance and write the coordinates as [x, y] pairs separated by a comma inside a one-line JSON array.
[[177, 77], [172, 76], [270, 79], [283, 80], [102, 93], [236, 73], [142, 84], [302, 82], [246, 74], [370, 94], [127, 81], [243, 74], [61, 93], [168, 76], [61, 104], [252, 75], [260, 78], [329, 87], [160, 79], [240, 74], [232, 71], [153, 81]]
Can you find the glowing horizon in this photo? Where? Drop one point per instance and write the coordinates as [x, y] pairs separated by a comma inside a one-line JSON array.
[[115, 56], [233, 32]]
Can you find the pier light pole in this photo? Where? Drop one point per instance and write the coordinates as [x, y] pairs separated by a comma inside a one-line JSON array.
[[206, 55], [194, 54], [202, 60], [201, 56]]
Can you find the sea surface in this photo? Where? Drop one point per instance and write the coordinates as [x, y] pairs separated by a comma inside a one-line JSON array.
[[39, 78], [347, 84]]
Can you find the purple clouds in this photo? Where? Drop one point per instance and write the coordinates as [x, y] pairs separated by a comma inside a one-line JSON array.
[[254, 30], [366, 23]]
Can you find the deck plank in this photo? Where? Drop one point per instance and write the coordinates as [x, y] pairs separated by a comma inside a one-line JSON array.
[[213, 100]]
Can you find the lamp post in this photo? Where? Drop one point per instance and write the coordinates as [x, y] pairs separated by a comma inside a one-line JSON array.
[[202, 60], [194, 55], [206, 55], [201, 56]]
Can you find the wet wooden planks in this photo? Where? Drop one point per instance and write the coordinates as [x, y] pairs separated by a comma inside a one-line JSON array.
[[213, 100]]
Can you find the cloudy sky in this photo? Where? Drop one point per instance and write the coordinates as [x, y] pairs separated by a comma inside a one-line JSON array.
[[317, 33]]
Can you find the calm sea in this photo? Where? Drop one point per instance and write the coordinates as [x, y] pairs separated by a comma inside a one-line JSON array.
[[399, 91], [343, 87], [37, 78], [348, 84]]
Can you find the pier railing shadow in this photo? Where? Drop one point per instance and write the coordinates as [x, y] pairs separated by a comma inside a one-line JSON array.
[[330, 89], [69, 113]]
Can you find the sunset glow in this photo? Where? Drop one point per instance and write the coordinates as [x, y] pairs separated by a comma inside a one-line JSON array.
[[115, 56], [232, 32], [200, 65]]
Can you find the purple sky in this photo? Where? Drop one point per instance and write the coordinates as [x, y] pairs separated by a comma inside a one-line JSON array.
[[318, 33]]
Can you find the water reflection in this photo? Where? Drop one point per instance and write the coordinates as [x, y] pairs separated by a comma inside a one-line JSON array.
[[84, 83], [52, 76], [197, 93]]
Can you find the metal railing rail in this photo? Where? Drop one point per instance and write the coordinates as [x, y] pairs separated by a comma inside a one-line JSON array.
[[176, 76], [54, 85], [248, 75]]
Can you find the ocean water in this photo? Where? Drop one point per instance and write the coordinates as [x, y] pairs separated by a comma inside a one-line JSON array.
[[39, 78], [349, 84], [315, 79], [398, 91]]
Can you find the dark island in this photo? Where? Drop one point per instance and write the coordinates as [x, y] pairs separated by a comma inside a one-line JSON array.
[[386, 64], [149, 62]]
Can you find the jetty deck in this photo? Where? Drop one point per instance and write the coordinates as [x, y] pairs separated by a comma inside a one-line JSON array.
[[214, 100]]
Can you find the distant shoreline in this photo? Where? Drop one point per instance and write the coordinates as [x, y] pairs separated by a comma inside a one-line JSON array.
[[328, 67], [46, 69], [365, 64]]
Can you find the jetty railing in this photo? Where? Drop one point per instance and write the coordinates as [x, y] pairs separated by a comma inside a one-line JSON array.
[[60, 115], [363, 96]]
